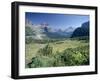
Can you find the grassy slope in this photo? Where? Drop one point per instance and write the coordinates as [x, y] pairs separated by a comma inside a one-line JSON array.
[[31, 49]]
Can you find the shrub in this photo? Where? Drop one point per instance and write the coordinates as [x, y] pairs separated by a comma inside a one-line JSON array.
[[47, 50], [68, 57], [28, 40], [41, 61]]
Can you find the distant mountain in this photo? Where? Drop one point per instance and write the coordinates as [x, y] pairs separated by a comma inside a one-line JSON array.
[[38, 31], [69, 29], [81, 31]]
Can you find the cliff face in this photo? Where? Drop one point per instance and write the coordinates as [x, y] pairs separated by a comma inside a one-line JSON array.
[[82, 31]]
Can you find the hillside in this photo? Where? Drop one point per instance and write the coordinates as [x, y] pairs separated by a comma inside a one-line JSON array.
[[82, 31]]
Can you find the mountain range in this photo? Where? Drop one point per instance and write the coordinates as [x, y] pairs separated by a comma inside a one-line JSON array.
[[40, 32], [37, 31]]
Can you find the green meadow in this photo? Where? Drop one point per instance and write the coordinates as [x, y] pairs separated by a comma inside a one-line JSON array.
[[56, 53]]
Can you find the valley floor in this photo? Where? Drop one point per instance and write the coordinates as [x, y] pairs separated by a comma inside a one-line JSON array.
[[59, 46]]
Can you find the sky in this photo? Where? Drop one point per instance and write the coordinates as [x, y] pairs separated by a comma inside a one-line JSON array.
[[57, 21]]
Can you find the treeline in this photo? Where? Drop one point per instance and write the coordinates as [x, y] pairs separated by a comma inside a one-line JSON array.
[[82, 38], [42, 41], [29, 31]]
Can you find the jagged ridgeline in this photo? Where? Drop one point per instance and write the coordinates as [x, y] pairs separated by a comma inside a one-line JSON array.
[[44, 31]]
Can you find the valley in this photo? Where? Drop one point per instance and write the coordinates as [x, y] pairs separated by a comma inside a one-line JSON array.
[[46, 46], [57, 46]]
